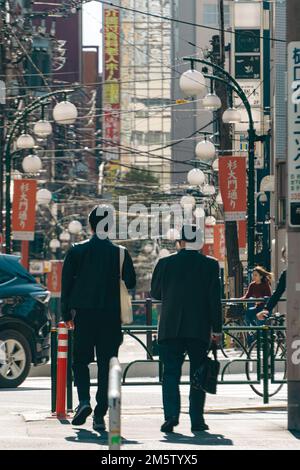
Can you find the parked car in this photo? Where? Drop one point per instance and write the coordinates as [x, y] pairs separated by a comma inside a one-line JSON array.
[[24, 322]]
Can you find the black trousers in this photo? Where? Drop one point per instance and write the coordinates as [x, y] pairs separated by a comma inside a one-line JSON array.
[[172, 354], [93, 333]]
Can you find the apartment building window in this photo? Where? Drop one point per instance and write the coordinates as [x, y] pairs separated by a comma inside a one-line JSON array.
[[211, 15]]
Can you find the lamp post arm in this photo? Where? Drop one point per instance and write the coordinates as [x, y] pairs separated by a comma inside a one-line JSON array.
[[237, 88]]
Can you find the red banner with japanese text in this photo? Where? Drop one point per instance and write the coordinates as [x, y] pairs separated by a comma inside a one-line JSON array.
[[54, 278], [232, 182], [219, 242], [23, 209]]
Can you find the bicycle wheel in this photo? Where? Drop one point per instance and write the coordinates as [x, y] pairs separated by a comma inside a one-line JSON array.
[[279, 373], [235, 341]]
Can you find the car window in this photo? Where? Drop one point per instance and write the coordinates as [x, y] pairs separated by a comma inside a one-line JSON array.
[[5, 276]]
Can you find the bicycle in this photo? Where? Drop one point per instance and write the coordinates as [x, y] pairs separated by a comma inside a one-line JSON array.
[[276, 354], [235, 317]]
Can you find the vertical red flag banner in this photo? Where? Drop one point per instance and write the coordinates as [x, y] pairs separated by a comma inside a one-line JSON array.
[[54, 278], [232, 182], [112, 74], [23, 209], [219, 242]]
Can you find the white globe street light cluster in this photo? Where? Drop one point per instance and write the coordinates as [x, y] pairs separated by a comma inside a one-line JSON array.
[[63, 113], [192, 83], [74, 228]]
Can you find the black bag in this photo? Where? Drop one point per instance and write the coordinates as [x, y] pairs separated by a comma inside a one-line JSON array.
[[206, 377]]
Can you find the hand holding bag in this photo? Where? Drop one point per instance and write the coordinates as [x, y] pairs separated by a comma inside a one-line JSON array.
[[206, 377], [125, 299]]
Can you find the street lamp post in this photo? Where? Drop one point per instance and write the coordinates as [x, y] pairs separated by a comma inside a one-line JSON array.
[[41, 101], [226, 78]]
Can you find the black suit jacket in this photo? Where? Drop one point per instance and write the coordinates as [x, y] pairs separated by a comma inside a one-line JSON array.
[[91, 280], [188, 284], [279, 291]]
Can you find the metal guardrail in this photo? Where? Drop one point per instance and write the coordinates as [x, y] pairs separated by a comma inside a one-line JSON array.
[[260, 357]]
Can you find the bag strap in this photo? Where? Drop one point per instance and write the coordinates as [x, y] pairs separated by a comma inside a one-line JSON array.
[[122, 257]]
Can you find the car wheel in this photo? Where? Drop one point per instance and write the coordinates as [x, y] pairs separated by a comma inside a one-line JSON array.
[[15, 358]]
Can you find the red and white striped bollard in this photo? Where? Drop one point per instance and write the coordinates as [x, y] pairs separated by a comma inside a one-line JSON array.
[[62, 360]]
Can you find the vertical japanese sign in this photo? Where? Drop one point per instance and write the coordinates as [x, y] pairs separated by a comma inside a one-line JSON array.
[[294, 133], [54, 278], [111, 89], [219, 242], [23, 209], [232, 181]]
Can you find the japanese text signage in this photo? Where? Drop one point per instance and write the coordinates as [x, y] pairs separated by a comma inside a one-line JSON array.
[[111, 89], [23, 209], [219, 242], [294, 133], [232, 180], [54, 278]]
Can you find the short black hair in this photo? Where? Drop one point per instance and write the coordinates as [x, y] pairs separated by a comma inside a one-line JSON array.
[[95, 218], [188, 233]]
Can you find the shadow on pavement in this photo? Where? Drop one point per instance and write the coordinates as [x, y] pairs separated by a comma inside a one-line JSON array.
[[92, 437], [86, 436], [200, 438]]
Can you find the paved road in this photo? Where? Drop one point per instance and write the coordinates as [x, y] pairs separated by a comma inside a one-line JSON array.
[[235, 417]]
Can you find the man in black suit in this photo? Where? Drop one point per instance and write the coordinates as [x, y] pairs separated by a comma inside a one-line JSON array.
[[189, 286], [91, 291]]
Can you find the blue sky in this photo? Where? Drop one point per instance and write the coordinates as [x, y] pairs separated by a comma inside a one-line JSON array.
[[91, 26]]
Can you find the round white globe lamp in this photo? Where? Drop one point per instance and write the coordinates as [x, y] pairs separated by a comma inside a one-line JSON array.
[[43, 196], [31, 164], [192, 83], [65, 112]]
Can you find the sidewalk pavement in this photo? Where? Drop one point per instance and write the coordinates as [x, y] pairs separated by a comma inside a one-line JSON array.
[[236, 417]]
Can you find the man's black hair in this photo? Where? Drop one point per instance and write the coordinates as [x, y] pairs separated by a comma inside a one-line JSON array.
[[94, 219]]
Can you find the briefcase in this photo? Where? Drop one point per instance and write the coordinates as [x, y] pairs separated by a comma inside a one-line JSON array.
[[206, 377]]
